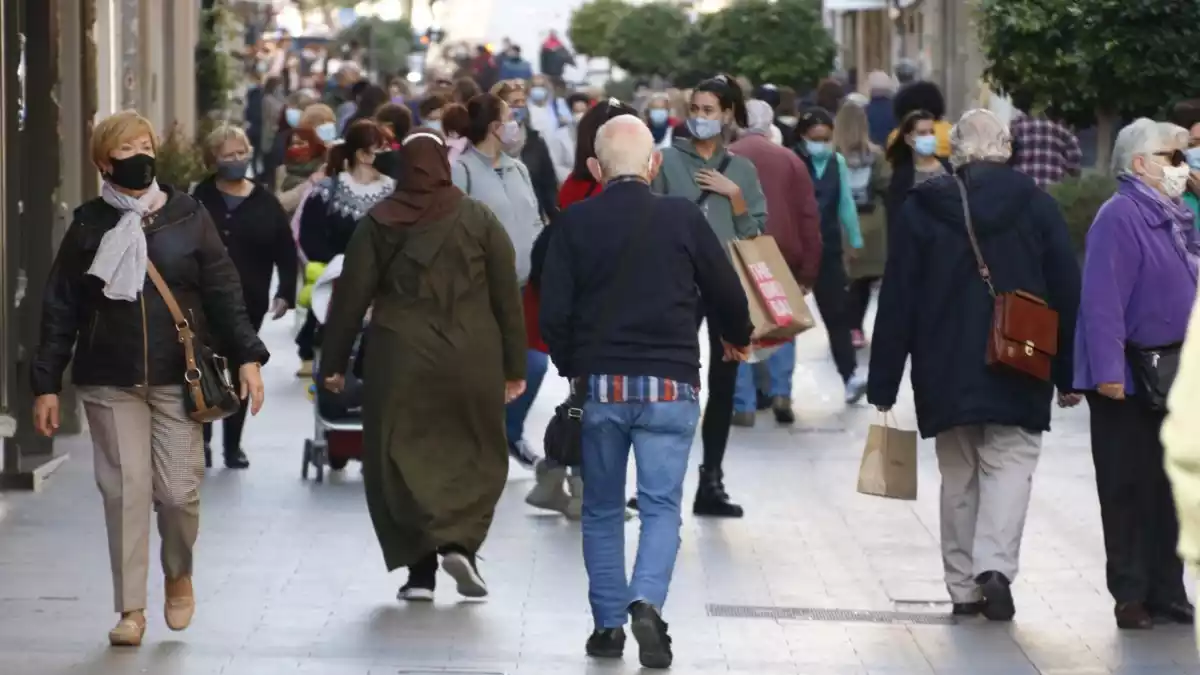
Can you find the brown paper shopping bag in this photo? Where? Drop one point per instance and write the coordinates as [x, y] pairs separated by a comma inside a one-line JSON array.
[[889, 462], [778, 309]]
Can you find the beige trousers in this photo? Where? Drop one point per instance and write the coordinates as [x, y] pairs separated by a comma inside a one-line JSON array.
[[148, 452], [987, 477]]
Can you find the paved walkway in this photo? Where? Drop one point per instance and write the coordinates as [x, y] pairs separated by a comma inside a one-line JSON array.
[[289, 579]]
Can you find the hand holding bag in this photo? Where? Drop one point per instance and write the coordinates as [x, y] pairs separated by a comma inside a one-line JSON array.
[[563, 442], [1024, 333], [889, 462], [208, 392]]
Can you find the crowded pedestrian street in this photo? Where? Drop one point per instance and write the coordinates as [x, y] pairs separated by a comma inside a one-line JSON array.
[[816, 579]]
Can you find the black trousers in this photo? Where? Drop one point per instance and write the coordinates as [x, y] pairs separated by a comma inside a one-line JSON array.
[[718, 411], [859, 300], [832, 300], [306, 339], [231, 427], [1136, 506]]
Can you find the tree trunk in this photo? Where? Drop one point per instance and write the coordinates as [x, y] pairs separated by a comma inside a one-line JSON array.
[[1106, 135]]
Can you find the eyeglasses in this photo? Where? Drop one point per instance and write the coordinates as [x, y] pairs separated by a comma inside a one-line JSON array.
[[1174, 157]]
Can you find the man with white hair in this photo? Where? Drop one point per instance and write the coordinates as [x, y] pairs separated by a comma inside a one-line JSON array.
[[795, 222], [963, 239], [618, 312]]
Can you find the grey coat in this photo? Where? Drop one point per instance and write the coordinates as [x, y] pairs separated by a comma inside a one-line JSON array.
[[508, 191]]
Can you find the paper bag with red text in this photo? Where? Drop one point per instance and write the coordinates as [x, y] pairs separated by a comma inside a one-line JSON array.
[[778, 309]]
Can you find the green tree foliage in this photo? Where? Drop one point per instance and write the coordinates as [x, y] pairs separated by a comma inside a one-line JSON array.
[[388, 43], [591, 25], [779, 41], [1093, 61], [648, 39]]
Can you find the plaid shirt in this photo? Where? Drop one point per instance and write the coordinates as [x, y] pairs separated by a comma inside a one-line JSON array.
[[1044, 150], [639, 389]]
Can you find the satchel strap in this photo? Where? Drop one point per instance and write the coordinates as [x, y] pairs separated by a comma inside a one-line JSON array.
[[984, 271], [192, 374]]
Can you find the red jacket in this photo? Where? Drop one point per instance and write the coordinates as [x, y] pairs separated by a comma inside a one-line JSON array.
[[792, 215], [572, 190]]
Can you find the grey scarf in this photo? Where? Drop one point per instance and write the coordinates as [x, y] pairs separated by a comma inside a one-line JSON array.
[[121, 257]]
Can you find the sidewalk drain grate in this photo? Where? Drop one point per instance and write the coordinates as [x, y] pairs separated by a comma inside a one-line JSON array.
[[815, 614]]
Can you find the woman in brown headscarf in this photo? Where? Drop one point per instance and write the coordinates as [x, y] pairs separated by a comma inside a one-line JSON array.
[[445, 351]]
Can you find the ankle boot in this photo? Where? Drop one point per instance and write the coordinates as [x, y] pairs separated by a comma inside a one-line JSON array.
[[207, 456], [711, 498], [236, 460]]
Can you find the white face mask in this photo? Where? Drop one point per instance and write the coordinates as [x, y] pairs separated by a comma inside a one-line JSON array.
[[1174, 180]]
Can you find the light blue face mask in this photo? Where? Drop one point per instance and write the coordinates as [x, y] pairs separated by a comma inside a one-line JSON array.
[[293, 117], [1193, 158], [925, 146], [327, 132], [817, 149], [703, 129], [434, 124], [538, 94], [659, 116]]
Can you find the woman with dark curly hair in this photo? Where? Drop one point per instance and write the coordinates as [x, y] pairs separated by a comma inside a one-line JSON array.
[[924, 96]]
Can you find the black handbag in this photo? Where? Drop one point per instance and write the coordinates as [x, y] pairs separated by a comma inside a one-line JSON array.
[[208, 392], [1154, 371], [563, 441]]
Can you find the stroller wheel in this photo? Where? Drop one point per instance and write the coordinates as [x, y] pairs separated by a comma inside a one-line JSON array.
[[320, 472], [308, 452]]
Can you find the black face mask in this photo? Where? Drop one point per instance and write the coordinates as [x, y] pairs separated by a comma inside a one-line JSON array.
[[132, 173], [387, 163]]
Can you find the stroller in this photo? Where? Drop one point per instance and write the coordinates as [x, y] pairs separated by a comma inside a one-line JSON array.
[[337, 429]]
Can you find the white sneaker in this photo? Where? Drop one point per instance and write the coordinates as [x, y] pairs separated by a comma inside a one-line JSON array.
[[547, 492], [856, 388], [464, 572], [415, 594]]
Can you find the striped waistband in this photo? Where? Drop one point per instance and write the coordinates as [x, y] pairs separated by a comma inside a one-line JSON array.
[[639, 389]]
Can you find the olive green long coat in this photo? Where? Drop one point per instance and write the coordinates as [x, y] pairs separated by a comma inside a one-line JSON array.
[[446, 333], [870, 260]]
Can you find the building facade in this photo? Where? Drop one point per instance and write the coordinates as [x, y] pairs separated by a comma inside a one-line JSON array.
[[938, 35], [67, 64]]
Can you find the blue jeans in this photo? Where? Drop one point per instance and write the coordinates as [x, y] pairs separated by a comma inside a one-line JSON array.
[[536, 364], [781, 365], [661, 435]]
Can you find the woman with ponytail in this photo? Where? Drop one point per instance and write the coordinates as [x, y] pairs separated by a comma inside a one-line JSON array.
[[356, 178]]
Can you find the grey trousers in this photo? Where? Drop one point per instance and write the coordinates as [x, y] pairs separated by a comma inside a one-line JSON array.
[[148, 452], [987, 476]]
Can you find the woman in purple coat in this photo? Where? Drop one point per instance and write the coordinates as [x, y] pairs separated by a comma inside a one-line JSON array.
[[1139, 284]]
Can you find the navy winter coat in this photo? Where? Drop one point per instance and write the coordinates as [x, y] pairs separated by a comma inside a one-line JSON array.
[[935, 307]]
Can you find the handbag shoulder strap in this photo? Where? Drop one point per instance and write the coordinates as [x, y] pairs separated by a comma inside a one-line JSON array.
[[985, 272], [192, 374], [704, 195]]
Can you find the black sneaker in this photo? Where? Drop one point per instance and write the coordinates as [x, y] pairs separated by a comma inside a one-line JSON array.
[[422, 580], [997, 596], [762, 401], [650, 631], [461, 566], [606, 643]]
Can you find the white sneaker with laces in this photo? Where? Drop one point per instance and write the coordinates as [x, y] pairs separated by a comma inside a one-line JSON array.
[[856, 388]]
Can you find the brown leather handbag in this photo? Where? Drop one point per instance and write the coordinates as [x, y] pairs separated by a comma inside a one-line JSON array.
[[208, 392], [1024, 334]]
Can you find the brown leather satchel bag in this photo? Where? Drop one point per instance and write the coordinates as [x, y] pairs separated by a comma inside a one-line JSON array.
[[208, 392], [1024, 334]]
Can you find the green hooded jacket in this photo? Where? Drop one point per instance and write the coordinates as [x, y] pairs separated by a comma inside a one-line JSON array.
[[676, 178]]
